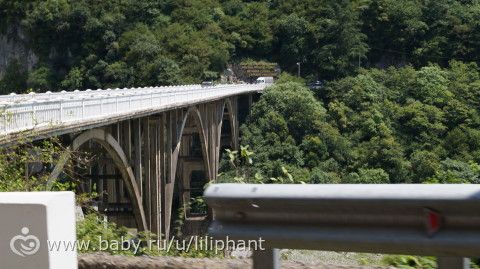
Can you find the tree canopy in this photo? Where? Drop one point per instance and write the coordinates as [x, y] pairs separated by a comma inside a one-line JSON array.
[[99, 44], [399, 125]]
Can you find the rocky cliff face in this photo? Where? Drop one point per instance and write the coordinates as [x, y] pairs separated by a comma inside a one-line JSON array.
[[13, 46]]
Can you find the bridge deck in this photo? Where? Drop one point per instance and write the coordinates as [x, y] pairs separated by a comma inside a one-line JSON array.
[[63, 112]]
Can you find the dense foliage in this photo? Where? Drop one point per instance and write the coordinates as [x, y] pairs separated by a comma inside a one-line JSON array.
[[26, 166], [380, 126], [90, 43]]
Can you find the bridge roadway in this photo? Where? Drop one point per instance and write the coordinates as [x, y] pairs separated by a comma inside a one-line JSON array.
[[68, 111]]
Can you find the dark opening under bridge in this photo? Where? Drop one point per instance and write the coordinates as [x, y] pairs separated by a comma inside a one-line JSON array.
[[155, 147]]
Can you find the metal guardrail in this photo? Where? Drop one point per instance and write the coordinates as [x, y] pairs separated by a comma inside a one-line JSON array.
[[434, 220], [20, 112]]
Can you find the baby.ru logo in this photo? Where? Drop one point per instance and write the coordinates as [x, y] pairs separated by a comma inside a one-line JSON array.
[[24, 244]]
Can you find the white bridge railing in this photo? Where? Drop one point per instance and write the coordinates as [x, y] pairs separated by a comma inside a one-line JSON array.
[[41, 110]]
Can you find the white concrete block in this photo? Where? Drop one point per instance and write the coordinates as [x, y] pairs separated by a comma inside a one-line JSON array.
[[31, 223]]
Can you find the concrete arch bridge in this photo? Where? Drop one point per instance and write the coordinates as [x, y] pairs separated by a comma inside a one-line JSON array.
[[155, 147]]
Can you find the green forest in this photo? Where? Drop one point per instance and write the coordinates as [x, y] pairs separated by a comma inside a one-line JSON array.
[[124, 43], [398, 125]]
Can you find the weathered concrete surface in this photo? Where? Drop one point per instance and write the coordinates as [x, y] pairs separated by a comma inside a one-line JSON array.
[[105, 261]]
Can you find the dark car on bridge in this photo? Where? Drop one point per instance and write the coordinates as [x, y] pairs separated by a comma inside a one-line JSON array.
[[206, 84]]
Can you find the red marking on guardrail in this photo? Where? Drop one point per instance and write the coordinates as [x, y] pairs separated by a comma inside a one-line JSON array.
[[433, 221]]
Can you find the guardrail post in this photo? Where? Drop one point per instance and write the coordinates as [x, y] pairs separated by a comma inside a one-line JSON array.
[[453, 263], [266, 259]]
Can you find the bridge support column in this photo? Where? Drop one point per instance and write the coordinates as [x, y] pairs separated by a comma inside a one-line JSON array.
[[137, 148], [169, 119], [153, 171]]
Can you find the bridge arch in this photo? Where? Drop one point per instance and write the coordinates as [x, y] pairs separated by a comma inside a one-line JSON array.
[[115, 151], [227, 104], [194, 112]]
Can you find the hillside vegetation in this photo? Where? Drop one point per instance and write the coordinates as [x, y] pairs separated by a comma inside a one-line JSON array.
[[121, 43], [381, 126]]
